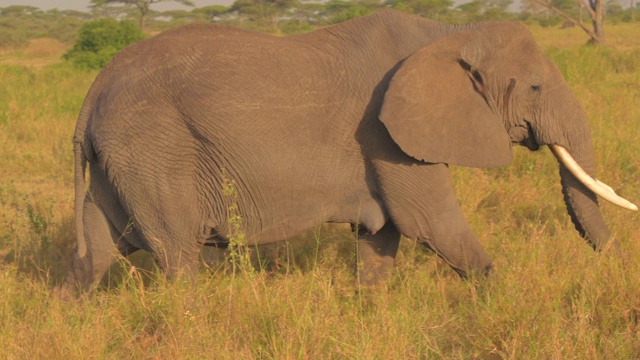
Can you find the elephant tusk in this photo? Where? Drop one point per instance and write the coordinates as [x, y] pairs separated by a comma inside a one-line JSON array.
[[604, 185], [598, 187]]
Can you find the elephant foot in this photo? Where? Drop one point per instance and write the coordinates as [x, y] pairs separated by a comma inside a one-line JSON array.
[[65, 292], [377, 256], [80, 280], [374, 273], [473, 274], [70, 290]]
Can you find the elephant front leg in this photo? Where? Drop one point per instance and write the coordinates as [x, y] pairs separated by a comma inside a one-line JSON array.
[[423, 206], [377, 255], [450, 236], [462, 252]]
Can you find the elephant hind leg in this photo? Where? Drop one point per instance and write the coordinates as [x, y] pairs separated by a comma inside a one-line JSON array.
[[174, 241], [377, 255], [178, 262], [104, 244]]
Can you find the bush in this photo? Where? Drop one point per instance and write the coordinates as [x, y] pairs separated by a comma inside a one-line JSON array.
[[100, 40], [292, 27]]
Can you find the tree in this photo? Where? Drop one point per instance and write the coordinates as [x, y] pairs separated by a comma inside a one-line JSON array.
[[613, 7], [100, 40], [263, 12], [19, 10], [212, 12], [486, 10], [337, 11], [534, 8], [432, 9], [596, 11], [19, 24], [143, 6]]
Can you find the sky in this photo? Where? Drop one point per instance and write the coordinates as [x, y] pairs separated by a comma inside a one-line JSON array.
[[82, 5]]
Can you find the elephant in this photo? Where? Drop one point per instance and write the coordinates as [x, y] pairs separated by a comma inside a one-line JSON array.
[[354, 123]]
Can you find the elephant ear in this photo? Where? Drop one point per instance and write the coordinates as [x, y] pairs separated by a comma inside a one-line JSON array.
[[437, 110]]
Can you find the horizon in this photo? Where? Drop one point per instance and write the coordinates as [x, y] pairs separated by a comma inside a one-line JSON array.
[[83, 5]]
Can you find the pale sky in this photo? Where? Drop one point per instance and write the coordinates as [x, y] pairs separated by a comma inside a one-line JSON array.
[[82, 5]]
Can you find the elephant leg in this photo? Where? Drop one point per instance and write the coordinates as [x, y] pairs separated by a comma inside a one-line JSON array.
[[377, 255], [174, 253], [99, 252], [180, 264], [462, 252], [450, 236], [423, 206]]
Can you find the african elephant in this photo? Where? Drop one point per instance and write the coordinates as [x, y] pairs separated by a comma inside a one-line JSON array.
[[354, 123]]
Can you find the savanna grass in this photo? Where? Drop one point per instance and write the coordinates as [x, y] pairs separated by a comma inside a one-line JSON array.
[[551, 297]]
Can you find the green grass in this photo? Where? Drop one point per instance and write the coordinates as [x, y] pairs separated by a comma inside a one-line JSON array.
[[551, 297]]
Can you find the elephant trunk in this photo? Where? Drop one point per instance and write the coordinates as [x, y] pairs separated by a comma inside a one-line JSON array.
[[573, 135], [582, 205], [571, 144], [580, 187]]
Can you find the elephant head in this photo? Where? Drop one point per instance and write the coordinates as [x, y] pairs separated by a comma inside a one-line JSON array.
[[464, 99]]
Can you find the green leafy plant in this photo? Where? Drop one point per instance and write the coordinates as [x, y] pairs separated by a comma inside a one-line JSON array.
[[239, 255], [99, 41]]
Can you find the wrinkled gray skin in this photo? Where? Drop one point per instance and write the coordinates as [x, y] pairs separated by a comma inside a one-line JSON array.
[[355, 123]]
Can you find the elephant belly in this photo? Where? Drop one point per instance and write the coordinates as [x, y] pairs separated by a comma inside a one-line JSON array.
[[364, 210]]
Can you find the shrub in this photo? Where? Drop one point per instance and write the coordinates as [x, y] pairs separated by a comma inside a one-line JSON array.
[[100, 40], [292, 27]]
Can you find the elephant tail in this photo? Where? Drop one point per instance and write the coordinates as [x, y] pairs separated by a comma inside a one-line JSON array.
[[81, 149], [80, 164]]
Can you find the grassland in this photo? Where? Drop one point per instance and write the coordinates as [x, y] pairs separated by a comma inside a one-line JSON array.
[[551, 297]]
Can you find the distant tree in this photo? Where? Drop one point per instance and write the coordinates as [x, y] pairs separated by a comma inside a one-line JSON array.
[[432, 9], [19, 24], [19, 10], [486, 9], [116, 12], [570, 7], [212, 12], [596, 10], [613, 7], [263, 12], [534, 8], [472, 9], [336, 11], [309, 12], [73, 14], [143, 6]]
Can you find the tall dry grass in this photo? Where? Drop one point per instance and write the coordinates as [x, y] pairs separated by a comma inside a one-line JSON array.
[[551, 297]]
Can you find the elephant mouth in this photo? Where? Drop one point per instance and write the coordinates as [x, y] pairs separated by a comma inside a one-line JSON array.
[[523, 135]]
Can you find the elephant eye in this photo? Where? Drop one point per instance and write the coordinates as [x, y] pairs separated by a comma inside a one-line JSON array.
[[535, 87]]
